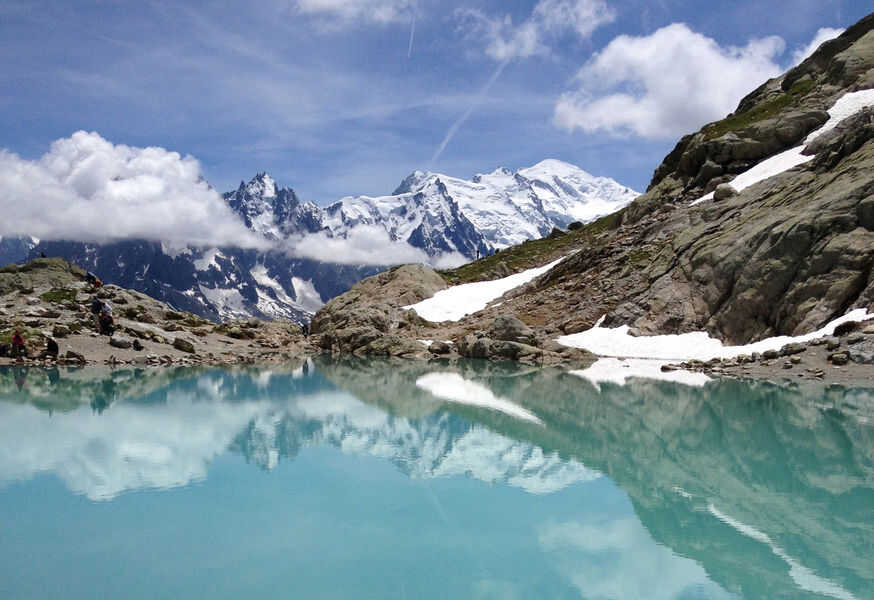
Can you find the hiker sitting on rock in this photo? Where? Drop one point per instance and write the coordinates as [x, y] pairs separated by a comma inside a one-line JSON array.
[[19, 348], [105, 320], [51, 350]]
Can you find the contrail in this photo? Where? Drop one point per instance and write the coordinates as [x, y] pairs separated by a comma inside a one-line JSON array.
[[461, 121], [412, 35]]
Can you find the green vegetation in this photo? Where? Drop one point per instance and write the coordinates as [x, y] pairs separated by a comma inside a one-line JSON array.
[[637, 256], [533, 253], [59, 295], [765, 110]]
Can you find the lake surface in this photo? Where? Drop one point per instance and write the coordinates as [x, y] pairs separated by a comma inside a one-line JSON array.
[[371, 479]]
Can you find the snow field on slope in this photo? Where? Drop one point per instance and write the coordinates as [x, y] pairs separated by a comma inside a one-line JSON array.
[[687, 346], [846, 106], [455, 303]]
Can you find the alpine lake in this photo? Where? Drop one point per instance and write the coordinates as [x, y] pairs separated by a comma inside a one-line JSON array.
[[343, 478]]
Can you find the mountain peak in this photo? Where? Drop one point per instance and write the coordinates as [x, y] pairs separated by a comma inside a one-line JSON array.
[[262, 185]]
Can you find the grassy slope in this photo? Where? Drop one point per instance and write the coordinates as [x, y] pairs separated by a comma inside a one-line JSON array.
[[531, 254]]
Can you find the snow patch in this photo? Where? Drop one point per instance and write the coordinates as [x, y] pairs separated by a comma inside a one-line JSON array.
[[228, 302], [457, 302], [687, 346]]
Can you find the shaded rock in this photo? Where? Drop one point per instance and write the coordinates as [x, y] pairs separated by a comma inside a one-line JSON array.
[[183, 345], [75, 357], [138, 346], [856, 338], [60, 331], [839, 358], [845, 328], [440, 348]]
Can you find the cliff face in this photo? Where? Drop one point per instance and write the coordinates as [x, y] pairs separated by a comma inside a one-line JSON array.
[[779, 254]]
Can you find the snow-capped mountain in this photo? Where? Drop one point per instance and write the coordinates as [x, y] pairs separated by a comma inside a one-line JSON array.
[[427, 218], [435, 213], [273, 212], [505, 208]]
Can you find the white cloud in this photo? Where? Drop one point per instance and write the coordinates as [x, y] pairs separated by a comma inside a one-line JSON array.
[[364, 245], [550, 18], [823, 35], [368, 245], [665, 84], [357, 11], [87, 189]]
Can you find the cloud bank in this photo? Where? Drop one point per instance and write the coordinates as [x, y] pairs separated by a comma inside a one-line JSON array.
[[549, 19], [665, 84], [366, 245], [88, 189]]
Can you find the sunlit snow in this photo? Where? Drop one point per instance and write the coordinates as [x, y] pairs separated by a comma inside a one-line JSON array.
[[457, 302], [687, 346]]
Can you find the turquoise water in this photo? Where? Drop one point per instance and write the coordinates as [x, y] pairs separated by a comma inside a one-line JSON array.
[[369, 479]]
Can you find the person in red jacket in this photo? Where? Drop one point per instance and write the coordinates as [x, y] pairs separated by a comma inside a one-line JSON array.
[[19, 349]]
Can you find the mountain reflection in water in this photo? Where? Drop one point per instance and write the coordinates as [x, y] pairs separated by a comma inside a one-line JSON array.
[[764, 491]]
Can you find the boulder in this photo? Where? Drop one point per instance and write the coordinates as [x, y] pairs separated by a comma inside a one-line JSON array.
[[724, 192], [60, 331], [508, 328], [75, 357], [118, 341], [138, 346], [861, 357], [794, 348], [839, 358], [440, 348], [183, 345]]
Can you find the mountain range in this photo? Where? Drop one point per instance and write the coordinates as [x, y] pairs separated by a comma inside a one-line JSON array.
[[433, 215]]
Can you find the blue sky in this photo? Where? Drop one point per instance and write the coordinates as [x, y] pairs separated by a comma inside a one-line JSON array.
[[333, 99]]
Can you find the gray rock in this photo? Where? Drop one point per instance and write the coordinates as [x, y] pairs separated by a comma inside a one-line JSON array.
[[118, 341], [832, 343], [770, 354], [508, 328], [60, 331], [724, 192], [790, 349], [856, 338], [862, 357]]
